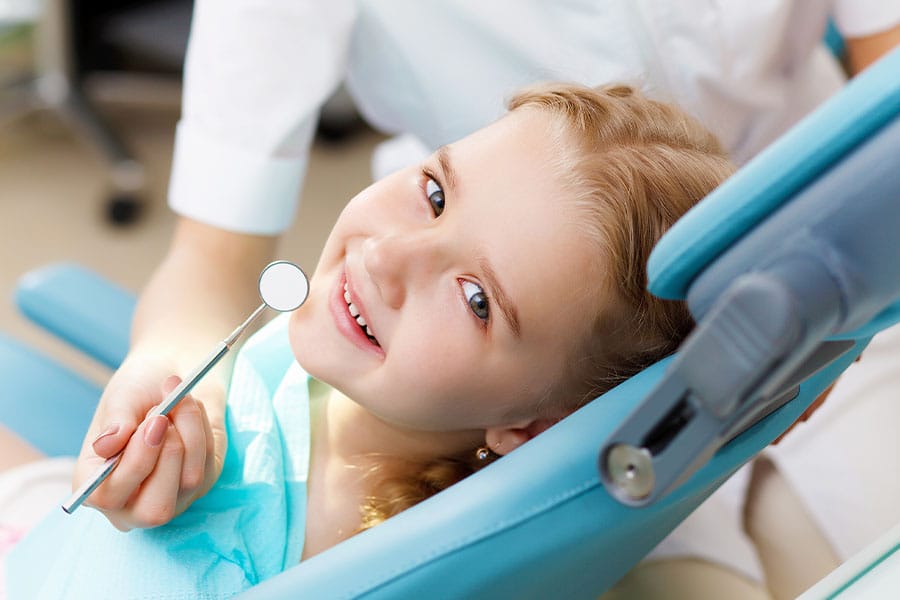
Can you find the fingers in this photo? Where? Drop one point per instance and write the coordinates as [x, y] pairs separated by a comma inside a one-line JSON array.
[[115, 435], [139, 459], [192, 427], [108, 442], [156, 502], [209, 465], [120, 422], [165, 464], [162, 468]]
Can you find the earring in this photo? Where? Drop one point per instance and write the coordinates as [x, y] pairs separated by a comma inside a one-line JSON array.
[[483, 453]]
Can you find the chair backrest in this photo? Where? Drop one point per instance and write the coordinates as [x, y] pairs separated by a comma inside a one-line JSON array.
[[537, 524]]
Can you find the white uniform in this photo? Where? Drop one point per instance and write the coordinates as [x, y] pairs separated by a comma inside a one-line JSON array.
[[257, 74]]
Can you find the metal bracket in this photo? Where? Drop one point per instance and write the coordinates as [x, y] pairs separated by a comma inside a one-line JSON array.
[[736, 368]]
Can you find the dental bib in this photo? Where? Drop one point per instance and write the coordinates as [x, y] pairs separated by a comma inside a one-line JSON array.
[[247, 528]]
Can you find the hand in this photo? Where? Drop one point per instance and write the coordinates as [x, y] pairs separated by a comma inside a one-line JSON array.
[[201, 289], [167, 461]]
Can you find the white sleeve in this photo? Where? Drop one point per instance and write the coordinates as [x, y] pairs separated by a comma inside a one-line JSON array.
[[256, 74], [859, 18]]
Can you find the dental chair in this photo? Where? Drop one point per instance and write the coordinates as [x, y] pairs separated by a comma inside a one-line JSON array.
[[789, 268]]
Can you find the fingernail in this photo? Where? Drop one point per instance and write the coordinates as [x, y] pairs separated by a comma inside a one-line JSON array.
[[111, 430], [156, 431]]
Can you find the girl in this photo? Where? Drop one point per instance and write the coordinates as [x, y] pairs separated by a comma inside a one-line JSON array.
[[460, 307]]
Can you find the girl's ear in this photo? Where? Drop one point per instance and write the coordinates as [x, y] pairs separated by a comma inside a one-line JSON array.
[[503, 440]]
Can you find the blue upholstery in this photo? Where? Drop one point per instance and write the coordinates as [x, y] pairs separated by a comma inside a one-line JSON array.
[[90, 313], [539, 523], [47, 404]]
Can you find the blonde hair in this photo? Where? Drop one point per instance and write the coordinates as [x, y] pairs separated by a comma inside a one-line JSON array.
[[634, 166]]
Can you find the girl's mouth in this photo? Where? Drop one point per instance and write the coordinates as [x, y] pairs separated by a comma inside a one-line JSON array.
[[360, 321]]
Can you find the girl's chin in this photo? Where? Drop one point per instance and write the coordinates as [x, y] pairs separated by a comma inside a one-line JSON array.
[[311, 361], [331, 377], [306, 350], [324, 358]]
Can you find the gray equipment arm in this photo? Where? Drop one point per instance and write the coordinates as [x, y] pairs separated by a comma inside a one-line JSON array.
[[824, 264]]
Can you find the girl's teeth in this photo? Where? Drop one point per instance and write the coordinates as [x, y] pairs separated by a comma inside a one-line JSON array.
[[354, 312]]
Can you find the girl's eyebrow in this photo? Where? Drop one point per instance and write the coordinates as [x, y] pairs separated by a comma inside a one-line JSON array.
[[507, 308], [443, 156]]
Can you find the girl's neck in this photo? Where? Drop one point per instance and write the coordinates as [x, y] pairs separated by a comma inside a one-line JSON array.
[[356, 436], [349, 443]]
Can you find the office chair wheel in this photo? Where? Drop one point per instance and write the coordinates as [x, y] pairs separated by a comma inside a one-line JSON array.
[[123, 209]]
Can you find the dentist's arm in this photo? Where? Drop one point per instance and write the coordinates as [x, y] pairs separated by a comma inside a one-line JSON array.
[[248, 116], [206, 285]]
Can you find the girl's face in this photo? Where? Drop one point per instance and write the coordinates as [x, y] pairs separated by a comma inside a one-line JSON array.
[[452, 295]]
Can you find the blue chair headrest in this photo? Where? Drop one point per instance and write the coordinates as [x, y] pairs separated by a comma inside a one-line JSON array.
[[869, 101]]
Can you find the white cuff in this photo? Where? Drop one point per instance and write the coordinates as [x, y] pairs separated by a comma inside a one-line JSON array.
[[231, 188], [860, 18]]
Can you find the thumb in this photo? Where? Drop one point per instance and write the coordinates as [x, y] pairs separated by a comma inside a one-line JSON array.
[[112, 440], [121, 426]]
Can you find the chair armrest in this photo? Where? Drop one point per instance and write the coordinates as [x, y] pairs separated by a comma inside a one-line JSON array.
[[80, 307], [46, 404]]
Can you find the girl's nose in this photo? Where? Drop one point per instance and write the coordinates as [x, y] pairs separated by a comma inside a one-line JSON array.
[[395, 262]]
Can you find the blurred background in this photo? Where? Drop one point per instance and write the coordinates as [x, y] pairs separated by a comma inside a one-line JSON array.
[[89, 99]]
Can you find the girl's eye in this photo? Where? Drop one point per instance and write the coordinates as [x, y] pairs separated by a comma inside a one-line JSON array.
[[435, 196], [477, 299]]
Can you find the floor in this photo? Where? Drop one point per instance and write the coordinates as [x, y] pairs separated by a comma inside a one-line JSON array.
[[53, 189]]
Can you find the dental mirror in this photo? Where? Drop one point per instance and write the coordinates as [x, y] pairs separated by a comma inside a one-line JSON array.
[[283, 286]]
